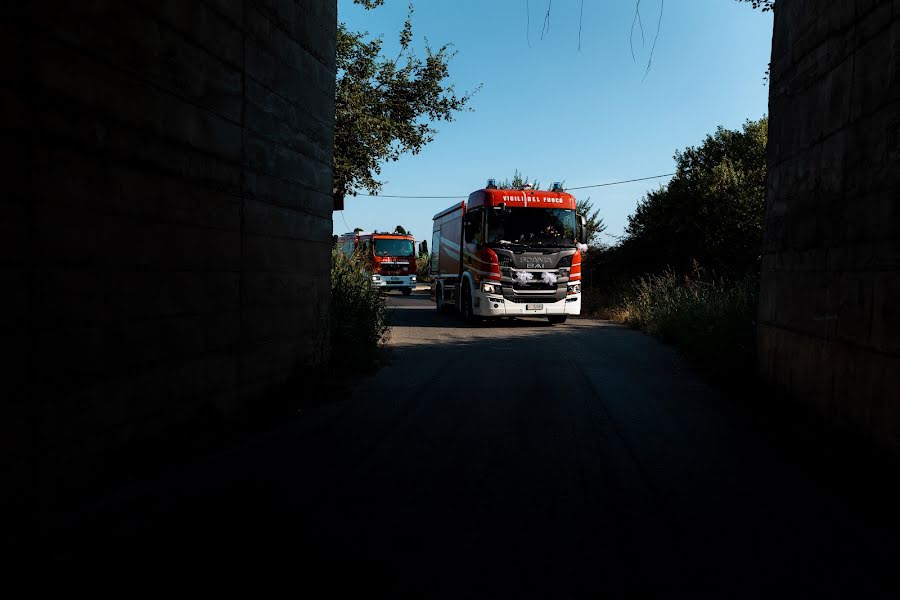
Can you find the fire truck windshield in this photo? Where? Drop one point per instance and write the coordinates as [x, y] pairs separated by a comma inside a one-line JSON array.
[[554, 227], [394, 247]]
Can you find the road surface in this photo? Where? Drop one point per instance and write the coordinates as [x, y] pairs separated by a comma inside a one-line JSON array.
[[518, 460]]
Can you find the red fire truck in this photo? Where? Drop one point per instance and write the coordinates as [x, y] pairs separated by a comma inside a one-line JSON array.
[[509, 253], [390, 258]]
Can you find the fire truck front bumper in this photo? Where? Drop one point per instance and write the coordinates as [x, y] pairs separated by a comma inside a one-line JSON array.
[[394, 281], [488, 304]]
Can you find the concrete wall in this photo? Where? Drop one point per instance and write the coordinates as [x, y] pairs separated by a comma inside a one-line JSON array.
[[166, 218], [830, 306]]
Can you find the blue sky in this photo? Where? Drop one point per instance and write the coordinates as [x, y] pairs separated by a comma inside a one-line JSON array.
[[558, 114]]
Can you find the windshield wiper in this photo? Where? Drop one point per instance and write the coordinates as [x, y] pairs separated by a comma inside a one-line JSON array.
[[506, 243], [556, 245]]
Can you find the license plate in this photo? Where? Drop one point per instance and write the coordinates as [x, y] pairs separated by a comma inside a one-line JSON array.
[[534, 307], [395, 279]]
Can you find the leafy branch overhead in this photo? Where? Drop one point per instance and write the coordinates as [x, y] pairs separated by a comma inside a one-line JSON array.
[[765, 5], [387, 107]]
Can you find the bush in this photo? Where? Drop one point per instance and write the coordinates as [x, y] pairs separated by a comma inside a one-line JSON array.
[[713, 320], [358, 314], [423, 263]]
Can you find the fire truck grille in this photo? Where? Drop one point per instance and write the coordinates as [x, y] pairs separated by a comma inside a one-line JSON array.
[[534, 285], [538, 299]]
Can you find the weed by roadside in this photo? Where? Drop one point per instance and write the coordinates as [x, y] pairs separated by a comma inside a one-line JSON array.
[[711, 319], [358, 317]]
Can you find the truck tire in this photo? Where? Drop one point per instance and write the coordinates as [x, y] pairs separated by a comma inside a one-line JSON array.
[[407, 291], [557, 319], [439, 299], [465, 305]]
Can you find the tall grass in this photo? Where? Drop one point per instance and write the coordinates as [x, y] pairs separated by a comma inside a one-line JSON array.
[[358, 315], [711, 319]]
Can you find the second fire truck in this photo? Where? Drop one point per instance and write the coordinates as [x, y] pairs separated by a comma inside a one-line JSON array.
[[390, 258]]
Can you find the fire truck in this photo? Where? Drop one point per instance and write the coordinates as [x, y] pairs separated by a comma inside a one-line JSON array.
[[509, 253], [390, 259]]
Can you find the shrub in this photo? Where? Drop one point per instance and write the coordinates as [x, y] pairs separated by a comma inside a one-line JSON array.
[[358, 314], [712, 319], [423, 263]]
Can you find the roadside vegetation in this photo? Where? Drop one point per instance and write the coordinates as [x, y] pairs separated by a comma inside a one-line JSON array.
[[385, 107], [423, 265], [358, 323], [687, 269]]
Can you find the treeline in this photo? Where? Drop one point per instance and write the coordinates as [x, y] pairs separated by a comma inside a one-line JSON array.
[[687, 268]]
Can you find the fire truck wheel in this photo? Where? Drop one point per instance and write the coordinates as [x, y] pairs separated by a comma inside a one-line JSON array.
[[407, 291], [465, 306], [439, 298], [557, 319]]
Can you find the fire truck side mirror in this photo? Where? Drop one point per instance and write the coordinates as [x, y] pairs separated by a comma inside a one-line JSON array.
[[580, 228]]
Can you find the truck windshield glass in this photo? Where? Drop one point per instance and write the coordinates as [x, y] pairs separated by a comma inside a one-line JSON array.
[[389, 247], [532, 226]]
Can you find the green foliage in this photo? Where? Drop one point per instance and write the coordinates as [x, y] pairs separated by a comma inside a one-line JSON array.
[[711, 211], [400, 230], [358, 314], [595, 225], [765, 5], [423, 248], [423, 266], [385, 107], [518, 181], [712, 320]]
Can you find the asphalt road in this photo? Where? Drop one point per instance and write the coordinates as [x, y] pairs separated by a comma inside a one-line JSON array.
[[518, 460]]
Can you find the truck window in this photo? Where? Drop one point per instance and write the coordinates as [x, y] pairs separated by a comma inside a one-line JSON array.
[[532, 226], [394, 247], [473, 229]]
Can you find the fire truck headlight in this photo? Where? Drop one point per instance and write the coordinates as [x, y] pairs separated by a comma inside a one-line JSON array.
[[574, 289], [490, 288]]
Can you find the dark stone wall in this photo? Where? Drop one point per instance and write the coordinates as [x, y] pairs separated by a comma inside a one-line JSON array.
[[166, 220], [830, 306]]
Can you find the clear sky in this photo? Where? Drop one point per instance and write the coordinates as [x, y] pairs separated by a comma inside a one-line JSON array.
[[558, 114]]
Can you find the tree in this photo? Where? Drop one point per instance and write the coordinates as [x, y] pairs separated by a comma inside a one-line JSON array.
[[595, 225], [712, 209], [518, 181], [400, 230], [357, 229], [423, 248], [765, 5], [384, 107]]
